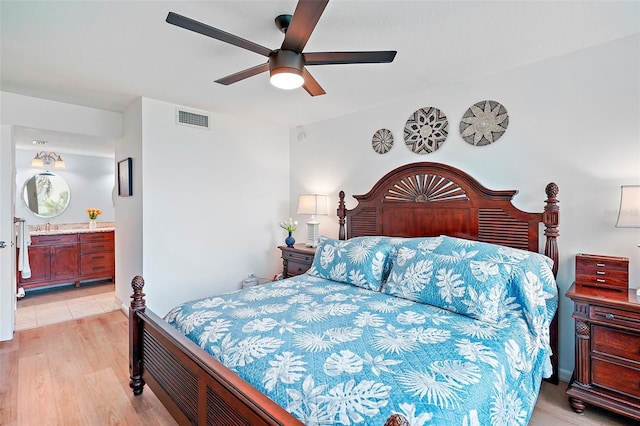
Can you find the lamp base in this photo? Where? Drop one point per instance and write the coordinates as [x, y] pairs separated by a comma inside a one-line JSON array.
[[312, 234]]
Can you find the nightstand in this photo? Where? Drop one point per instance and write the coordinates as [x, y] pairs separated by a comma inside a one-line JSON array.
[[296, 260], [607, 333]]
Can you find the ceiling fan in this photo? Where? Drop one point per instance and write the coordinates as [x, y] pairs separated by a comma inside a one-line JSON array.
[[286, 65]]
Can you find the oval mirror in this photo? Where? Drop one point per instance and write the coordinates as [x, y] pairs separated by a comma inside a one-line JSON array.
[[46, 194]]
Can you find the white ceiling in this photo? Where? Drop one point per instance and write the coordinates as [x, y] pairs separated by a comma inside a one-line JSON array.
[[105, 54]]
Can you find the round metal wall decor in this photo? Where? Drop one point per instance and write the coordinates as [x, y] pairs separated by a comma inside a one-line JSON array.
[[426, 130], [484, 123], [382, 141]]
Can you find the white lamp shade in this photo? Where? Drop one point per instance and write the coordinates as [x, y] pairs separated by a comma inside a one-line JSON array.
[[312, 204], [629, 214]]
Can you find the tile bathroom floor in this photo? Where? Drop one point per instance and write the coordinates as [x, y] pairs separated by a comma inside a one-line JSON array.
[[65, 303]]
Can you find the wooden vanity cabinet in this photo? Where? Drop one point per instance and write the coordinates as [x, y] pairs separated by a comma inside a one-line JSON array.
[[97, 258], [69, 258], [53, 260]]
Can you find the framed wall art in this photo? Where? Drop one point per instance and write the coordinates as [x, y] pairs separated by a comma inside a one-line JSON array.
[[125, 182]]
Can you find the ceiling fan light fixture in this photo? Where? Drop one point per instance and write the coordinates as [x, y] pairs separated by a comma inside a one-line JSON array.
[[286, 69], [286, 79]]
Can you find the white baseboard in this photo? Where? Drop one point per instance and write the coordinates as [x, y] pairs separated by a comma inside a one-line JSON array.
[[565, 375]]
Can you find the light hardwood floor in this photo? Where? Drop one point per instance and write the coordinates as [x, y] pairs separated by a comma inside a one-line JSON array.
[[76, 373]]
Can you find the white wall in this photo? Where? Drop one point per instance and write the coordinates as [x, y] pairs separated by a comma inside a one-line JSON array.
[[7, 234], [128, 237], [90, 181], [211, 201], [573, 120], [20, 110]]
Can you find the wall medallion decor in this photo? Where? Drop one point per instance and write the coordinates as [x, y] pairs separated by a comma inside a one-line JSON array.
[[426, 130], [484, 123], [382, 141]]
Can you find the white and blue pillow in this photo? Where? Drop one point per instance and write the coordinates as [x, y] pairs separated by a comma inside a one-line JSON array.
[[476, 279], [362, 261]]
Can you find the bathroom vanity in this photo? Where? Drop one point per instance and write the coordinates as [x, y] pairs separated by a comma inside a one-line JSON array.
[[69, 256]]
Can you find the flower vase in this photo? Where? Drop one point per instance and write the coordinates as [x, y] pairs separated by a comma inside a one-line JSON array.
[[290, 241], [92, 224]]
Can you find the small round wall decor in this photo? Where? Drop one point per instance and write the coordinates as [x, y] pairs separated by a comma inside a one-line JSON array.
[[426, 130], [382, 141], [484, 123]]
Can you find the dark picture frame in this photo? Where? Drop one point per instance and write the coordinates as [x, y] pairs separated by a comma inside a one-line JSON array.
[[125, 182]]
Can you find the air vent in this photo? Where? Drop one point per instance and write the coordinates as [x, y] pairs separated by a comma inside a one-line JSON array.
[[192, 119]]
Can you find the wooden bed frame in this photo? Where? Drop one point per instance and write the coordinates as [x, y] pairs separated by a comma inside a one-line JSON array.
[[419, 199]]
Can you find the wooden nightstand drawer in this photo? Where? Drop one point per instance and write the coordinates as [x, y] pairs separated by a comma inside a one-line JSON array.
[[618, 378], [618, 343], [602, 271], [296, 260], [295, 268], [294, 256], [613, 316]]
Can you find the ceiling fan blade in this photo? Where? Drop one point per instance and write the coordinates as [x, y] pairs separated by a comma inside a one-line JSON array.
[[303, 22], [204, 29], [311, 85], [327, 58], [241, 75]]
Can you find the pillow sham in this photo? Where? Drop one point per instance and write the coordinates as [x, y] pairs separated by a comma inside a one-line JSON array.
[[472, 278], [362, 261]]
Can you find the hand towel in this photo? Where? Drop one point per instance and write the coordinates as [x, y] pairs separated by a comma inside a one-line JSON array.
[[23, 241]]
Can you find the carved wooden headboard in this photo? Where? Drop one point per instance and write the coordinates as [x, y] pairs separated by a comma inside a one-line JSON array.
[[431, 199]]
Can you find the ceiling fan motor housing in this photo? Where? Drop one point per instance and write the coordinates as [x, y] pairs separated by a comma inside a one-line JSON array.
[[286, 61]]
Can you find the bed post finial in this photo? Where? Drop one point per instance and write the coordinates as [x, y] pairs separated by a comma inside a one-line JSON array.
[[138, 302], [397, 420], [551, 219], [342, 212], [135, 335]]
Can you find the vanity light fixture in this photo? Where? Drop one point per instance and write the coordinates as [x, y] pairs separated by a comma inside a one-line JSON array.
[[312, 204], [47, 158]]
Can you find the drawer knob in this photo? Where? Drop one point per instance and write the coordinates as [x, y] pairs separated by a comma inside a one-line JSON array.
[[610, 316], [599, 280], [600, 265]]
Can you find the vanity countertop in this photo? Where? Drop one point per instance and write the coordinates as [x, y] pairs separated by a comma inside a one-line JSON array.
[[70, 228], [72, 231]]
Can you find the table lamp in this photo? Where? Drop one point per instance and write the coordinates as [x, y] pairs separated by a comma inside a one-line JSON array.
[[312, 204]]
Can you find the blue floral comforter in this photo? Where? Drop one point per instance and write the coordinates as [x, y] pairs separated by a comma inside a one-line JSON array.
[[333, 353]]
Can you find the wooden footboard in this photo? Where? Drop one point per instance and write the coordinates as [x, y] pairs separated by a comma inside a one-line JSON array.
[[193, 386]]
